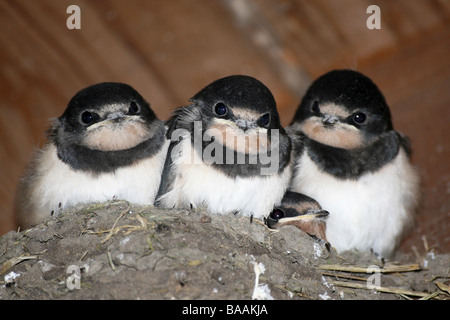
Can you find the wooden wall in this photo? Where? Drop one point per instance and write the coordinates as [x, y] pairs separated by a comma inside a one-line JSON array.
[[168, 50]]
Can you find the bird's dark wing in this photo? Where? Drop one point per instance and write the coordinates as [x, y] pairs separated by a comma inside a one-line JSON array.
[[168, 175], [182, 119], [405, 143], [297, 138]]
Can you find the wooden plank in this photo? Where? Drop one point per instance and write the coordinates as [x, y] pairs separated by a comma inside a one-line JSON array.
[[188, 44], [409, 19]]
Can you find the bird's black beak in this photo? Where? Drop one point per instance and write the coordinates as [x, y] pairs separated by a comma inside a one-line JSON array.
[[321, 214], [279, 216], [308, 216], [246, 124], [329, 120], [112, 118], [115, 116], [273, 222]]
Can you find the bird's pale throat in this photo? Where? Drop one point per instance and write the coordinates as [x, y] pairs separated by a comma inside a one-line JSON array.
[[116, 136]]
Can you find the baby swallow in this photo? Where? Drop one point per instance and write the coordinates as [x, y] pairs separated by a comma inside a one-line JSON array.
[[228, 151], [353, 163], [107, 144], [301, 211]]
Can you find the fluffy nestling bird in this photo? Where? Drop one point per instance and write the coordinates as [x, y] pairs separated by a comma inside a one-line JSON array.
[[108, 143], [354, 163], [301, 211], [228, 151]]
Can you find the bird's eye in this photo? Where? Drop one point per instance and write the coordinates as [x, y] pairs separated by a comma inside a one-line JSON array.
[[315, 107], [264, 120], [359, 117], [220, 109], [277, 214], [133, 109], [88, 117]]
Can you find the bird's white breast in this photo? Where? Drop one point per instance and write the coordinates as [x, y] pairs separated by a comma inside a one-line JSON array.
[[57, 185], [201, 185], [367, 213]]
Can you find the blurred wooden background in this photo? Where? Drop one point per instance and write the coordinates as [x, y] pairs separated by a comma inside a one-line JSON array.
[[168, 50]]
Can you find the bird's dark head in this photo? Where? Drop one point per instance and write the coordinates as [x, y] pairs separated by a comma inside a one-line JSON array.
[[242, 101], [238, 107], [108, 116], [343, 109], [296, 209]]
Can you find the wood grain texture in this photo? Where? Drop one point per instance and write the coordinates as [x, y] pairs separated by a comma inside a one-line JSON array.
[[168, 50]]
